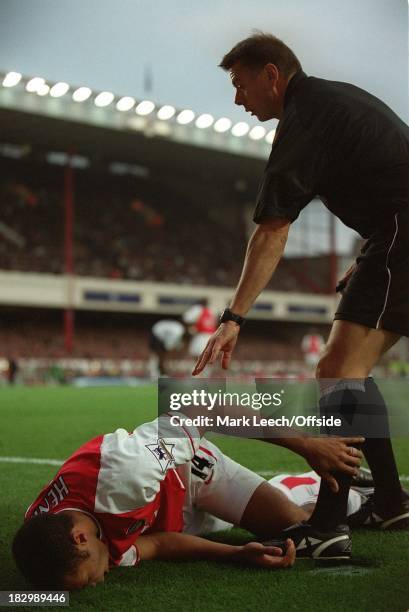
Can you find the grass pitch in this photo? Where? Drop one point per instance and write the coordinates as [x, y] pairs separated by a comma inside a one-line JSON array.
[[52, 423]]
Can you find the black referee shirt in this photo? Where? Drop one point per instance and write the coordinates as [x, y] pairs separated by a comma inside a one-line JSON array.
[[341, 144]]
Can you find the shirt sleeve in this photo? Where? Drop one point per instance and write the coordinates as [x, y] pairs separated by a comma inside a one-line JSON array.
[[192, 314], [292, 173], [133, 465]]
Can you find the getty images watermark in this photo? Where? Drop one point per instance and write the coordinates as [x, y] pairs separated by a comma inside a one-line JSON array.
[[219, 400], [266, 408], [209, 400]]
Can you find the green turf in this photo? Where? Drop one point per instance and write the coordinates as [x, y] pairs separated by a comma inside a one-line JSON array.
[[51, 423]]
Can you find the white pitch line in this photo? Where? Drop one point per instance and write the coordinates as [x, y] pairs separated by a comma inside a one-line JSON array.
[[58, 462], [31, 460]]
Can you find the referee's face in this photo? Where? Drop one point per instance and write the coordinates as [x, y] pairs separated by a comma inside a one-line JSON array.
[[258, 90]]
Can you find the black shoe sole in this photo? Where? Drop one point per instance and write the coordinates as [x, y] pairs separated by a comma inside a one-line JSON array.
[[396, 523], [337, 548]]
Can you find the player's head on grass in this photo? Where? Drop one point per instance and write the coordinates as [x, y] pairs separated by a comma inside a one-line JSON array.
[[260, 67], [60, 551]]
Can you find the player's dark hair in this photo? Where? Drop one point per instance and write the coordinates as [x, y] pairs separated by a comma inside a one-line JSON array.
[[44, 551], [260, 49]]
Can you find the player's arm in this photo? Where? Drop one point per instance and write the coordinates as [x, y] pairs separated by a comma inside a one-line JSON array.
[[290, 182], [264, 251], [170, 546], [323, 454]]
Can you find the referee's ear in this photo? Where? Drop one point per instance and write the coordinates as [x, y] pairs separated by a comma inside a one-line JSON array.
[[272, 71]]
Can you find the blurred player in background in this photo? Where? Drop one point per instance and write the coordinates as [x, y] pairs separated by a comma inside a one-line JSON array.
[[12, 370], [311, 346], [126, 497], [337, 142], [201, 322], [166, 337]]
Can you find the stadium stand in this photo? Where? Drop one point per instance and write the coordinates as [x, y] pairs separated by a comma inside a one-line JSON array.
[[107, 335], [124, 228], [130, 227], [118, 344]]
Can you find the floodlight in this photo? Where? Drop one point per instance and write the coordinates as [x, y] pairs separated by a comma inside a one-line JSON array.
[[59, 89], [204, 121], [145, 107], [185, 117], [11, 79], [104, 99], [81, 94], [240, 129], [222, 125], [166, 112], [43, 89], [34, 84], [257, 132], [270, 136], [125, 103]]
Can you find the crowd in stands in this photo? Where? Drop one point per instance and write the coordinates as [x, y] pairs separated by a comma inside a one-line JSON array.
[[118, 344], [128, 227], [38, 333]]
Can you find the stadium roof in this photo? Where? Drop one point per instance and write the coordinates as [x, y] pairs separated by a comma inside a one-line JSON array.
[[31, 115]]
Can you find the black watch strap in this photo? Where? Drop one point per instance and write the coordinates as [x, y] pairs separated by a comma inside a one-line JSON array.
[[228, 315]]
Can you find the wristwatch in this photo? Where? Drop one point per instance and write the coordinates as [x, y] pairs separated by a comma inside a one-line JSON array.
[[228, 315]]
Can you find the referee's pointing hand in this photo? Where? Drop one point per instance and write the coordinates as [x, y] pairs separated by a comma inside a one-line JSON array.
[[222, 341]]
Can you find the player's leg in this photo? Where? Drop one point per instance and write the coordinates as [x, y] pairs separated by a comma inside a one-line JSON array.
[[303, 490], [269, 511], [162, 362], [225, 489], [352, 350], [300, 490], [343, 371], [156, 361]]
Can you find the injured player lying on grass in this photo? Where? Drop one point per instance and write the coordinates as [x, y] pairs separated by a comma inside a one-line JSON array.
[[123, 498]]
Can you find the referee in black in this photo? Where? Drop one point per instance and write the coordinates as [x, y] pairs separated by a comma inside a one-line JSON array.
[[337, 142]]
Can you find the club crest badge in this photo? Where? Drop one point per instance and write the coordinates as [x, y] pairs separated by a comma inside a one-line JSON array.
[[162, 451]]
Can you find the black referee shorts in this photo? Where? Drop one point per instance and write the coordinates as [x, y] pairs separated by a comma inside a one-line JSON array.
[[156, 345], [377, 294]]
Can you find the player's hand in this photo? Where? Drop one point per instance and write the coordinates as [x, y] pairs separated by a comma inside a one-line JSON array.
[[258, 554], [326, 455], [222, 341]]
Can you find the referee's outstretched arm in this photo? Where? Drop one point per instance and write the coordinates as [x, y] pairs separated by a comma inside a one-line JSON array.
[[264, 251]]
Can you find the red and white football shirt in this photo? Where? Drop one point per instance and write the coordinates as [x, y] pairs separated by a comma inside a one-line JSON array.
[[127, 482]]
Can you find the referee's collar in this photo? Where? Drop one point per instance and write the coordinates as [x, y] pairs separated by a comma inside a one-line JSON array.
[[294, 81]]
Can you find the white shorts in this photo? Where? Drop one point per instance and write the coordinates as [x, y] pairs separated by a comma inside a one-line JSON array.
[[217, 490], [303, 489], [312, 359], [198, 344]]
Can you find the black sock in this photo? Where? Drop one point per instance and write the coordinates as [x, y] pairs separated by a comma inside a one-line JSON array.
[[342, 401], [379, 455]]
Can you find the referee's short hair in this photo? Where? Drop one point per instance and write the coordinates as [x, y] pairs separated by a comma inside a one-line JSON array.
[[260, 49]]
